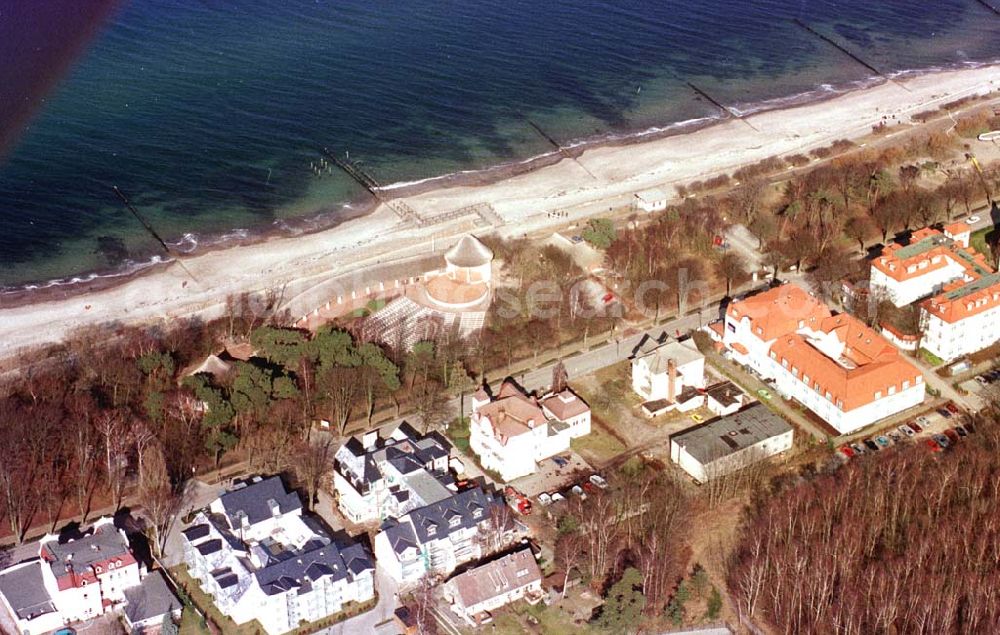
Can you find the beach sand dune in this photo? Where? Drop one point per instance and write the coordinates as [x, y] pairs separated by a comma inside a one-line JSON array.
[[601, 178]]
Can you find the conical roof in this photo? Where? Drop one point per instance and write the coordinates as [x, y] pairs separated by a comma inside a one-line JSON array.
[[469, 252]]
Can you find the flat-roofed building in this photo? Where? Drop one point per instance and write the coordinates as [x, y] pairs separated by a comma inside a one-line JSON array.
[[730, 443]]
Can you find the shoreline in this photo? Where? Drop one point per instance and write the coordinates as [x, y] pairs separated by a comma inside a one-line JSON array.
[[522, 192], [319, 220]]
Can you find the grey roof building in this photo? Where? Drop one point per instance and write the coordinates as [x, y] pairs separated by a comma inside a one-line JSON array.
[[729, 443], [24, 590], [148, 603], [259, 501]]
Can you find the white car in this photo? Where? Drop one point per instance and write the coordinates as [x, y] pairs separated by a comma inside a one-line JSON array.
[[544, 499], [579, 492], [907, 430], [556, 497], [598, 481], [972, 220]]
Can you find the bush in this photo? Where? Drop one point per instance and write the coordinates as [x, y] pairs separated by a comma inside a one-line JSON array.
[[600, 232]]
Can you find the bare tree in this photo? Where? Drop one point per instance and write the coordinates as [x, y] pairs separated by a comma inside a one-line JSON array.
[[313, 462], [159, 498], [111, 425]]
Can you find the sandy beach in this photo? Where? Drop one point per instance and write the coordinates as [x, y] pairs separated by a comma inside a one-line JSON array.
[[599, 179]]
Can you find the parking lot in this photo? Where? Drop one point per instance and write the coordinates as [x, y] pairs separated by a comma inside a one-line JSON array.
[[978, 387], [553, 475], [936, 429]]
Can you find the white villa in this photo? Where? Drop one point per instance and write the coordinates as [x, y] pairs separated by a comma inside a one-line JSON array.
[[77, 579], [378, 478], [670, 373], [259, 558], [440, 537], [964, 319], [512, 432]]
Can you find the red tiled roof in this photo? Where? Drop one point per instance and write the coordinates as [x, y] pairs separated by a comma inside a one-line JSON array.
[[870, 364], [779, 311]]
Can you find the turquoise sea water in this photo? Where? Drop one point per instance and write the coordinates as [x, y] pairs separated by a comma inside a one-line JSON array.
[[209, 113]]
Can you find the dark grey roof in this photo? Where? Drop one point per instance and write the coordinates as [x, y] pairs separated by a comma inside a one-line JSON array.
[[357, 558], [24, 590], [312, 565], [196, 532], [399, 535], [726, 393], [727, 435], [151, 600], [253, 501], [209, 546], [102, 543], [462, 506]]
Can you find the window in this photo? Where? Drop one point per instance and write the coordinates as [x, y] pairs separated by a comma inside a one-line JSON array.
[[878, 394], [892, 390]]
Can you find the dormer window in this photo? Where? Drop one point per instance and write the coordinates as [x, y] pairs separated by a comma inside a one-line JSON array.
[[432, 530], [878, 395], [455, 520], [99, 569], [477, 513]]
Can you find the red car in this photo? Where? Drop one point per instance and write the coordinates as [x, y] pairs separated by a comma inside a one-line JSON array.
[[846, 451], [952, 435], [915, 426], [933, 445], [952, 408]]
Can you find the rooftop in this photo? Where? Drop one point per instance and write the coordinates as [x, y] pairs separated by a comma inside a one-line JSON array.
[[469, 251], [509, 573], [151, 599], [779, 311], [102, 543], [726, 435], [726, 393], [254, 501], [682, 353], [24, 590]]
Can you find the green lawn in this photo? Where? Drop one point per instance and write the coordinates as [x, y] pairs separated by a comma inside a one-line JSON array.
[[980, 241], [458, 432], [512, 620], [598, 444]]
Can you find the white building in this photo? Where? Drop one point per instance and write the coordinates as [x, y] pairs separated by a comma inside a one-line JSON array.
[[932, 259], [514, 431], [260, 558], [653, 200], [494, 584], [662, 374], [73, 580], [725, 398], [377, 478], [442, 536], [843, 371], [962, 320], [730, 443], [456, 297]]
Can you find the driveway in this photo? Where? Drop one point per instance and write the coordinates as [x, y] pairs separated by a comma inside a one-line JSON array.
[[366, 622]]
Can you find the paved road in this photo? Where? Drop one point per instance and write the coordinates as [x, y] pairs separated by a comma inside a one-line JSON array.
[[366, 622]]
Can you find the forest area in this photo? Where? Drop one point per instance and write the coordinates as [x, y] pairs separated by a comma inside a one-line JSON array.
[[903, 542]]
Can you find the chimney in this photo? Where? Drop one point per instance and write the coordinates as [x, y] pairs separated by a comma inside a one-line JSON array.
[[368, 441], [671, 380]]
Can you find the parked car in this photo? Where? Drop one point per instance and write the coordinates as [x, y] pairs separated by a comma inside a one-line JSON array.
[[882, 441], [962, 432], [597, 480], [871, 445], [846, 451], [972, 220], [544, 499], [944, 413], [982, 379], [952, 408], [557, 497], [916, 427], [858, 448], [933, 445], [896, 437], [561, 462], [952, 435], [924, 421], [577, 490], [697, 418], [969, 427], [941, 440], [907, 430], [589, 487]]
